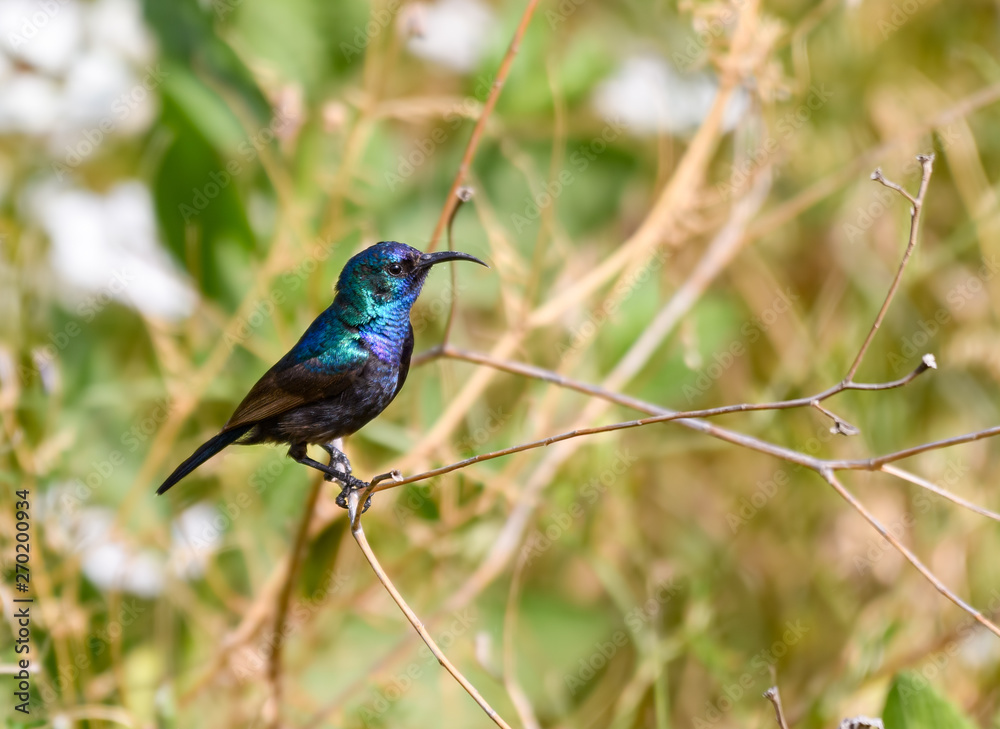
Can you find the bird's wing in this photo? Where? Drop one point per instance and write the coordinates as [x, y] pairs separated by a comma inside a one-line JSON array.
[[288, 386], [404, 361]]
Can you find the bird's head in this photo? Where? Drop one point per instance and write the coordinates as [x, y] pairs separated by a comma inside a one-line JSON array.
[[390, 275]]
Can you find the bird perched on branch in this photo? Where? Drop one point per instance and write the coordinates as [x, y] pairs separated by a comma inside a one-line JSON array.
[[345, 370]]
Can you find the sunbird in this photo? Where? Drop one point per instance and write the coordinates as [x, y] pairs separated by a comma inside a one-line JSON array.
[[345, 370]]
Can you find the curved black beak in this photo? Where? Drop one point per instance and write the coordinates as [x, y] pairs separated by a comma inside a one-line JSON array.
[[429, 259]]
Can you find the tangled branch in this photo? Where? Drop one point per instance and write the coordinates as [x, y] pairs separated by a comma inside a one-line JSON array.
[[694, 419], [655, 229]]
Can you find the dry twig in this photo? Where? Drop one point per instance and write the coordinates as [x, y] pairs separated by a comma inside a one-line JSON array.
[[774, 697], [828, 475], [689, 419], [272, 707], [927, 166], [453, 199], [692, 419], [359, 535]]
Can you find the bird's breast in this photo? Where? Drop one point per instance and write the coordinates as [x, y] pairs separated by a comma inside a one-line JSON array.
[[385, 338], [371, 390]]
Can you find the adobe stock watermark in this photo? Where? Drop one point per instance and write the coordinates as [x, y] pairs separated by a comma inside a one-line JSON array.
[[425, 147], [560, 14], [365, 34], [900, 15], [232, 508], [87, 310], [751, 679], [264, 307], [418, 494], [866, 215], [705, 31], [541, 540], [580, 159], [96, 643], [121, 108], [581, 334], [765, 491], [428, 312], [958, 297], [879, 546], [248, 150], [252, 660], [750, 331], [478, 436], [32, 25], [787, 126], [934, 665], [101, 470], [605, 650], [223, 8], [750, 506], [402, 681]]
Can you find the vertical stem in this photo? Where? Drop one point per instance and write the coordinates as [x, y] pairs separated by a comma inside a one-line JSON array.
[[927, 164], [477, 131], [273, 707], [353, 500]]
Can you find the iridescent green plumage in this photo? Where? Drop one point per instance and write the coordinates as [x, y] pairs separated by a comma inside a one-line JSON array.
[[346, 369]]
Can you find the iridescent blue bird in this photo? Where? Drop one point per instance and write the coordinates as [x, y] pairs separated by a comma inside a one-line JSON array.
[[346, 369]]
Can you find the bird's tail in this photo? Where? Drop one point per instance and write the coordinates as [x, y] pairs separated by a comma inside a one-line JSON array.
[[207, 449]]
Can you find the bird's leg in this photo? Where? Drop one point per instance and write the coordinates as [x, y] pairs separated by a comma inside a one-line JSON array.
[[337, 456], [298, 453], [351, 483]]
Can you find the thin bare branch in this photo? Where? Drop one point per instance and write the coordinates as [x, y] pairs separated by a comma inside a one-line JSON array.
[[464, 194], [688, 420], [272, 707], [827, 185], [520, 368], [477, 132], [683, 417], [876, 463], [830, 477], [774, 697], [518, 696], [954, 498], [353, 500], [840, 426], [691, 420], [881, 179], [927, 165]]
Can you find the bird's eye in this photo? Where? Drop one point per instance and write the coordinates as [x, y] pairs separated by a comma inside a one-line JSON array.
[[395, 269]]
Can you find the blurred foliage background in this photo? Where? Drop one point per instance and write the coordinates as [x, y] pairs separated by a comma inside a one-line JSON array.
[[181, 183]]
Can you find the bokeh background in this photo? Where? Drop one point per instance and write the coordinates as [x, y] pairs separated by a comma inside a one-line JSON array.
[[182, 181]]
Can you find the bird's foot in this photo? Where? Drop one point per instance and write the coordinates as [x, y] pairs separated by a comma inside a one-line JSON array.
[[337, 457], [352, 484]]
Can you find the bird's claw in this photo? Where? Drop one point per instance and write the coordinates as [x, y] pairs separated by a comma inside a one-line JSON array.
[[338, 457], [352, 484]]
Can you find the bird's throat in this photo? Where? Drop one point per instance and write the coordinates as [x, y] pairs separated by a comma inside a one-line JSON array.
[[384, 329], [381, 320]]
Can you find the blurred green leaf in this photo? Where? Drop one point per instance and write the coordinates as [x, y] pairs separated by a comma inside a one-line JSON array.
[[202, 108], [198, 199], [913, 704], [187, 35]]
